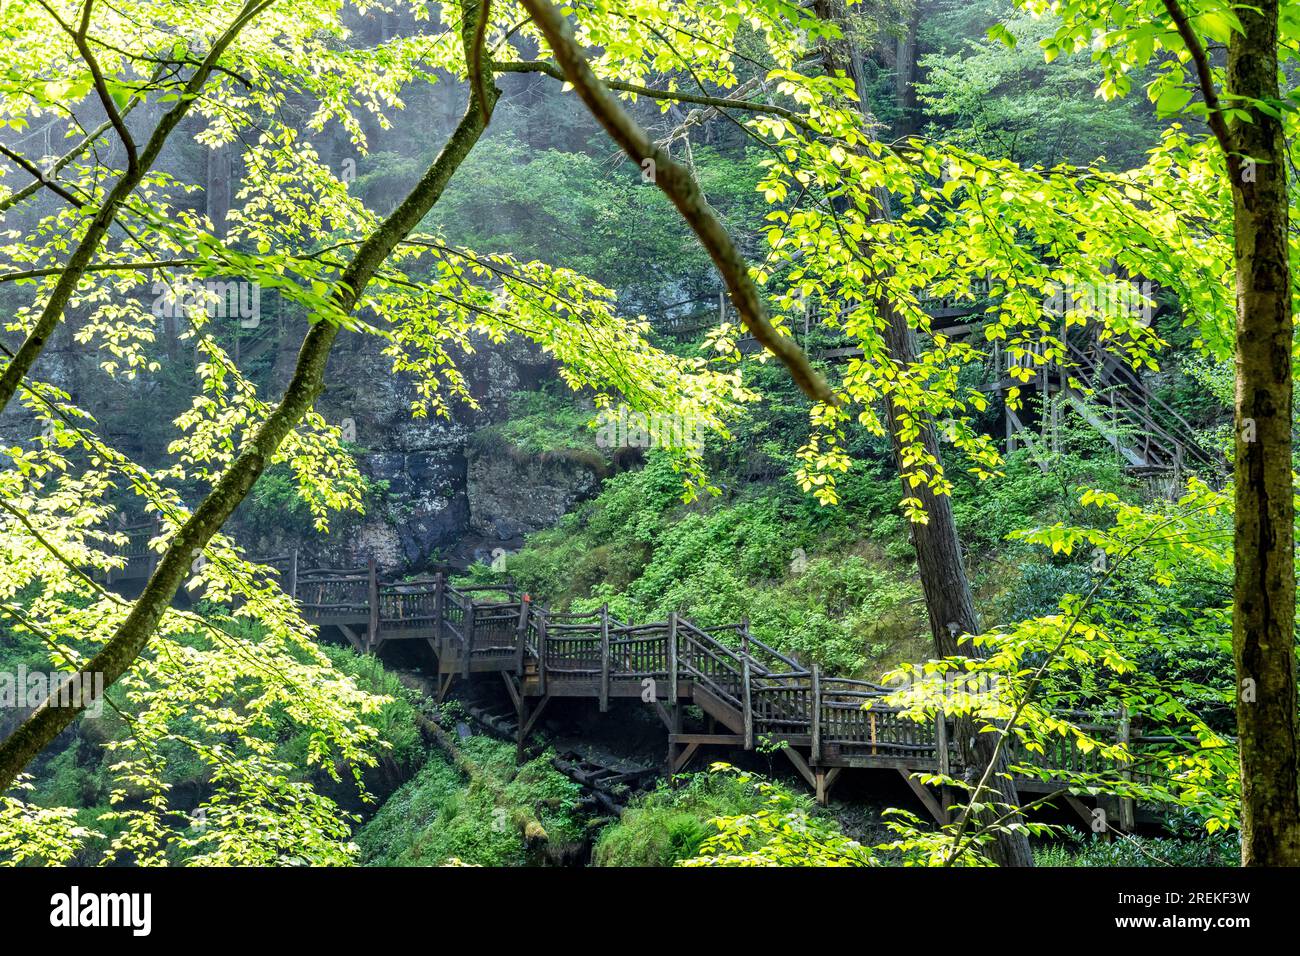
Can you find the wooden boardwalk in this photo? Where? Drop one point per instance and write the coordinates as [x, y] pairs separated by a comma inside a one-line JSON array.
[[751, 695]]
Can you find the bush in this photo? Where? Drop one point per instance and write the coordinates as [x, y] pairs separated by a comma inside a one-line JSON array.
[[1222, 849], [669, 824], [437, 817]]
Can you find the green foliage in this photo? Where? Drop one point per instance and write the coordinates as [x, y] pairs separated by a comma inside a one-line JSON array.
[[672, 823], [573, 209], [1077, 850], [436, 818], [91, 780], [543, 421], [998, 97], [781, 830]]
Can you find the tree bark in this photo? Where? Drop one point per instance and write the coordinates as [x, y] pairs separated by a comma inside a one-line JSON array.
[[942, 571], [905, 73], [1264, 592]]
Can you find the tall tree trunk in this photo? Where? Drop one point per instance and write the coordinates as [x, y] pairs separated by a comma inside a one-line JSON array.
[[947, 589], [1264, 592], [905, 73]]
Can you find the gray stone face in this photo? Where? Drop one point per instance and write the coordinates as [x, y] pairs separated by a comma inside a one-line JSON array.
[[427, 507], [441, 502], [511, 495]]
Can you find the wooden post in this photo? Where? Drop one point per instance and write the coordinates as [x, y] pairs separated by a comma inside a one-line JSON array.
[[541, 652], [941, 743], [468, 624], [1123, 737], [521, 636], [439, 608], [604, 658], [293, 574], [672, 657], [816, 713], [748, 704], [674, 729], [373, 600]]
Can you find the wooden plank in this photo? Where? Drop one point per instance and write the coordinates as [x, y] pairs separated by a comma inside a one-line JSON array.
[[717, 740]]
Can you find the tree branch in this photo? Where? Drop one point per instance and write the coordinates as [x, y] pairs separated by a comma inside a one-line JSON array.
[[63, 290], [676, 96], [130, 639], [1205, 77], [42, 177], [677, 183]]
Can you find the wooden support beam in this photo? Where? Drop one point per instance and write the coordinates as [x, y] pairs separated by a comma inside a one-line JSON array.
[[926, 797], [514, 695], [674, 729], [801, 765], [445, 686], [825, 782], [537, 712], [353, 638], [664, 716], [1081, 809], [685, 757]]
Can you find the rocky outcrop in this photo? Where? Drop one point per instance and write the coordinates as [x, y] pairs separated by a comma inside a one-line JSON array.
[[512, 492], [436, 499], [427, 504]]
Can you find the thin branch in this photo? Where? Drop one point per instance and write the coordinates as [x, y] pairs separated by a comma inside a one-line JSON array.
[[61, 294], [41, 176], [677, 96]]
